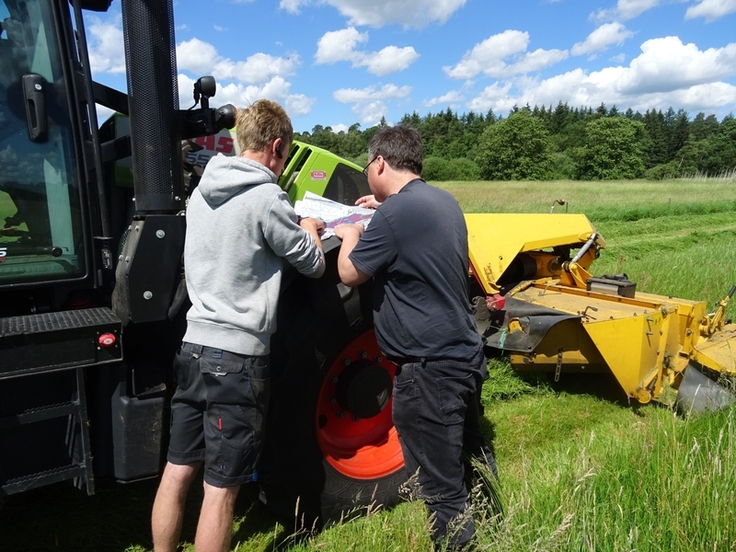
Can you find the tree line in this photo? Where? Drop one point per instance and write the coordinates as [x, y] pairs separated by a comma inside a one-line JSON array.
[[560, 143]]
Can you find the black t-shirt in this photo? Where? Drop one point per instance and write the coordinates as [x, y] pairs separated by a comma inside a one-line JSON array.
[[416, 247]]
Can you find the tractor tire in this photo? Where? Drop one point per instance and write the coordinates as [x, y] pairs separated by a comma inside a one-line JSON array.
[[331, 450]]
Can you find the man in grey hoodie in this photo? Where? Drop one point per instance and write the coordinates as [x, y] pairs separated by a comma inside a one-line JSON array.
[[240, 229]]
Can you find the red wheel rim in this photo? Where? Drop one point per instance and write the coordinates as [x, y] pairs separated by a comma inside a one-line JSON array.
[[359, 448]]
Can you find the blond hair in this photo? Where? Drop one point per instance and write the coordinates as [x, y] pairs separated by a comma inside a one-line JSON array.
[[260, 124]]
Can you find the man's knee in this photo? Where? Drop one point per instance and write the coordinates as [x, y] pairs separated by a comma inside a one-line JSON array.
[[181, 475], [220, 497]]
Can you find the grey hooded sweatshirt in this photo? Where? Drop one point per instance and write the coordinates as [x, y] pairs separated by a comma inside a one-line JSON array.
[[240, 229]]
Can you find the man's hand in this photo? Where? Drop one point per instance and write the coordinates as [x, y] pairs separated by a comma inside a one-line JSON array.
[[350, 275], [315, 224], [368, 202], [315, 227], [343, 231]]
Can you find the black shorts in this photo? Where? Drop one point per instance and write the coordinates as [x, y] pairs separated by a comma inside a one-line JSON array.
[[218, 413]]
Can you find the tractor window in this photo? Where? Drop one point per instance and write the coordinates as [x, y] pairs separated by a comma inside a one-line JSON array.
[[346, 185], [40, 217]]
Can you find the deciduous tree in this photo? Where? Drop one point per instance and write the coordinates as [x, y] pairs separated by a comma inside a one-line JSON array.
[[612, 150], [516, 148]]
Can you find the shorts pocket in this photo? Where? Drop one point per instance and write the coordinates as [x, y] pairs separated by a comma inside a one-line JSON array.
[[236, 438], [219, 366]]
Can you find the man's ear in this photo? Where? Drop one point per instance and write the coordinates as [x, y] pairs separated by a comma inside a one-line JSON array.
[[278, 142]]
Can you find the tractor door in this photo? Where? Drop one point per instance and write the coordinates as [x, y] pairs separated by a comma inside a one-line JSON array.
[[49, 341], [41, 228]]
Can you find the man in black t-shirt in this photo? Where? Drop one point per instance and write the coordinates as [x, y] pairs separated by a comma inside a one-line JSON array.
[[416, 249]]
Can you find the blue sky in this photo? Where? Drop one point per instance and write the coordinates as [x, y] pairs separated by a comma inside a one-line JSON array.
[[340, 62]]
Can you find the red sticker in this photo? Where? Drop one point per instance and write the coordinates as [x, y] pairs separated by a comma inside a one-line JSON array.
[[318, 175]]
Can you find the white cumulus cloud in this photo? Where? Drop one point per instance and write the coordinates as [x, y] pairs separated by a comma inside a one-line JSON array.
[[503, 55], [452, 97], [625, 9], [370, 103], [240, 95], [666, 64], [196, 56], [711, 10], [602, 38], [106, 49], [628, 9], [390, 59], [379, 13], [386, 92], [339, 45], [335, 46], [292, 6], [201, 58], [371, 113], [666, 73]]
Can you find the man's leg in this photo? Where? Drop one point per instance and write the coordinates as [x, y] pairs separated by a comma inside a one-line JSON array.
[[428, 411], [474, 442], [234, 429], [215, 526], [168, 507]]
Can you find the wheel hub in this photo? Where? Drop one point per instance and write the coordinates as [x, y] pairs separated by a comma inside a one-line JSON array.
[[363, 389], [353, 419]]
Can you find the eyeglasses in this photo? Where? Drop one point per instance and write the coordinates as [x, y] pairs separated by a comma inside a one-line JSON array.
[[365, 171]]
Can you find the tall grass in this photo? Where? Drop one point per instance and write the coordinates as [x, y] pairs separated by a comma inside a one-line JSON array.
[[637, 480], [671, 237], [581, 468], [625, 200], [728, 175]]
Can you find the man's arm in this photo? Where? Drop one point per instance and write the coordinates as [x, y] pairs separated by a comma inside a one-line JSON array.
[[299, 244], [314, 226], [350, 275]]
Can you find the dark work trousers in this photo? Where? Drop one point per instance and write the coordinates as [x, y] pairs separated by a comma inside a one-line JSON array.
[[436, 411]]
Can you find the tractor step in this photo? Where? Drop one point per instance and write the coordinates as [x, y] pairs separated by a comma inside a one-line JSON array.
[[48, 442], [47, 477], [59, 340]]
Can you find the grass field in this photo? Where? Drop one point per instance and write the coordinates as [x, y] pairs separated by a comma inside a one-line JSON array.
[[581, 469], [671, 237]]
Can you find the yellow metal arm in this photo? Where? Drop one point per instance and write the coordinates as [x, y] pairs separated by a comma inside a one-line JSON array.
[[716, 321]]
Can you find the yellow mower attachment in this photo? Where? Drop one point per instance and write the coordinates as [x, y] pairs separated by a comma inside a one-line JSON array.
[[556, 317]]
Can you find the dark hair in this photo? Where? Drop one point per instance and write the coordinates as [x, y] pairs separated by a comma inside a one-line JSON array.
[[400, 146]]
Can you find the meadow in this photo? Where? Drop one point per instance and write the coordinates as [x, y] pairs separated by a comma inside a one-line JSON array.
[[581, 468]]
